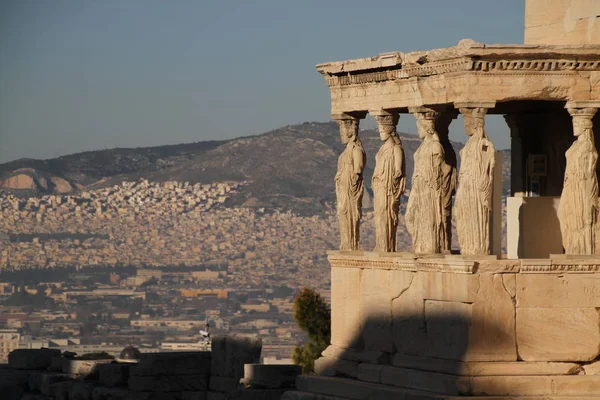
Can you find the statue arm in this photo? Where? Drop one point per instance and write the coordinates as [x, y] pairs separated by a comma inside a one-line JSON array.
[[399, 167], [358, 163]]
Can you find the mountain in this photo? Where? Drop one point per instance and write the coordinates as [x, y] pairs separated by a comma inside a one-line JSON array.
[[292, 167]]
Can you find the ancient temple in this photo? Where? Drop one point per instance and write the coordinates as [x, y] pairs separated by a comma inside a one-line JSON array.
[[472, 321]]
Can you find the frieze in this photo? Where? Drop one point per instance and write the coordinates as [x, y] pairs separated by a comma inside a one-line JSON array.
[[466, 65], [555, 267]]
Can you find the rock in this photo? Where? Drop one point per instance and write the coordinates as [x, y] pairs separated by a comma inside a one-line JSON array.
[[558, 334], [112, 375], [32, 358], [176, 363], [229, 354], [82, 368], [270, 376], [102, 393], [50, 378], [193, 395], [168, 383], [223, 384]]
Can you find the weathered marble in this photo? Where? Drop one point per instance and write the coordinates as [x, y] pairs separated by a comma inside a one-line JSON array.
[[389, 180], [349, 183], [578, 208], [425, 211], [473, 204]]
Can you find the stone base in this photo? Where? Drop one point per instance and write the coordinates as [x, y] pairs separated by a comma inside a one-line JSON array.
[[462, 327]]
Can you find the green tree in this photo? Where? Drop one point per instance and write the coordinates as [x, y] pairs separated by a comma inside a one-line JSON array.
[[313, 316]]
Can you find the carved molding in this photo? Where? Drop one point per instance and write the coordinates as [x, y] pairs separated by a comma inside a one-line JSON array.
[[503, 67]]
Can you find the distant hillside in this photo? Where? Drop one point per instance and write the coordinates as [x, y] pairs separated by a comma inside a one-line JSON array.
[[291, 168]]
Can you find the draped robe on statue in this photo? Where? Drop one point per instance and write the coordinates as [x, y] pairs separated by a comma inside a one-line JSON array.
[[349, 192], [578, 207], [425, 211], [388, 186], [473, 204]]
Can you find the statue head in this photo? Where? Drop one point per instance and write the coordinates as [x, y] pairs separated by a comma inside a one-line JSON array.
[[474, 121], [348, 130], [387, 125], [425, 128], [582, 127]]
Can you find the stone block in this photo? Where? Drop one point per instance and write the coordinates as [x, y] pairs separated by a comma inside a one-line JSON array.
[[554, 290], [511, 385], [369, 372], [408, 318], [223, 384], [50, 378], [345, 318], [521, 368], [580, 385], [80, 391], [229, 354], [168, 383], [558, 334], [13, 392], [112, 375], [154, 396], [82, 368], [371, 357], [447, 329], [216, 396], [271, 376], [102, 393], [336, 367], [176, 363], [452, 367], [492, 331], [592, 368], [31, 396], [32, 358], [193, 395], [444, 286], [423, 380], [326, 388], [375, 315]]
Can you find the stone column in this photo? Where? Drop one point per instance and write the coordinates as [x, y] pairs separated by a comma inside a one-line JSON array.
[[517, 173], [389, 179], [473, 205], [578, 209], [349, 184], [425, 212]]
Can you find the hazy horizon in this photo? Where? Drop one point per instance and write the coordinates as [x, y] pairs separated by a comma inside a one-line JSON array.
[[89, 75]]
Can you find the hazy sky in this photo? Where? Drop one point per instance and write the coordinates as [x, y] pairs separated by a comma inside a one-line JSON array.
[[81, 75]]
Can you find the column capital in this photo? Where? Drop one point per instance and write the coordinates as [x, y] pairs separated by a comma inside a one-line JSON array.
[[582, 104], [385, 117], [344, 117], [583, 108], [424, 113]]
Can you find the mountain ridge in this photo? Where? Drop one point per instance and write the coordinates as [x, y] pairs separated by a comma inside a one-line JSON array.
[[291, 167]]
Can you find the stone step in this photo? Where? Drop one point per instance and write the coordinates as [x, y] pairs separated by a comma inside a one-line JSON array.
[[352, 389], [396, 384]]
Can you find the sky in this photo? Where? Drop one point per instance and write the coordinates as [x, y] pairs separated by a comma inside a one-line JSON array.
[[79, 75]]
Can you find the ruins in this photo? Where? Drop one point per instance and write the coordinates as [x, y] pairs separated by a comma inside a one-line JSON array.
[[472, 322]]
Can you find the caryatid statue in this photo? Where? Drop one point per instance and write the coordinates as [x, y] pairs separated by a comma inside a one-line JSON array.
[[473, 203], [349, 182], [425, 212], [450, 176], [389, 179], [578, 209]]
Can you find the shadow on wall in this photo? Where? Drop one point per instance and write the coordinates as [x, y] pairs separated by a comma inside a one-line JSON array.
[[430, 352]]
